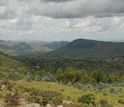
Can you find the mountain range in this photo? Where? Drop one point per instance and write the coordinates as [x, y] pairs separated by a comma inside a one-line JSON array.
[[76, 48]]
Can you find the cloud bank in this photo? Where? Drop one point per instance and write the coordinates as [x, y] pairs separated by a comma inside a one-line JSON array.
[[42, 18]]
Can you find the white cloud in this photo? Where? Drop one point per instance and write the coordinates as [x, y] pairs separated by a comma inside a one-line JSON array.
[[41, 18], [92, 24]]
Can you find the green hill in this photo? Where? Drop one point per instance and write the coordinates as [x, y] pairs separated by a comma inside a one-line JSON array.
[[10, 68], [83, 47]]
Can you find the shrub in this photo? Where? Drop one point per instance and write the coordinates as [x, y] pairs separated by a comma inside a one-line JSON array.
[[57, 100], [28, 78], [78, 85], [71, 105], [6, 84], [42, 97], [121, 101], [104, 103], [37, 99], [69, 74], [100, 76], [37, 78], [11, 99], [49, 78], [87, 98]]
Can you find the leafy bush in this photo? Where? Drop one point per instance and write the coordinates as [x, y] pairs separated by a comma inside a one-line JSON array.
[[87, 98], [27, 78], [100, 76], [11, 99], [104, 103], [42, 97], [49, 78], [78, 85], [37, 99], [6, 85], [57, 100], [69, 74], [121, 101], [72, 105]]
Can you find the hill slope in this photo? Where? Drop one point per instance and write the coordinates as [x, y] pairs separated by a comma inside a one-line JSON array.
[[83, 47], [10, 68]]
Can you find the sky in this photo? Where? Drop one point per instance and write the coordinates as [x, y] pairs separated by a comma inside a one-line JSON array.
[[56, 20]]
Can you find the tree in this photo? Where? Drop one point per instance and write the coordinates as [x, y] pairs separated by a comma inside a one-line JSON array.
[[100, 76]]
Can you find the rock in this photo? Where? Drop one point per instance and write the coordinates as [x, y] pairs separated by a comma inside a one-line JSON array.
[[4, 87], [33, 105], [59, 106], [49, 105], [67, 102]]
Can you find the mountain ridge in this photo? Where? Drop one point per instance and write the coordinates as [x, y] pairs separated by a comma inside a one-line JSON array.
[[85, 47]]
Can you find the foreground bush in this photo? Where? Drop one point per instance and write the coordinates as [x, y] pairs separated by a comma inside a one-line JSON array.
[[87, 98], [104, 103], [42, 97], [11, 99], [121, 101], [57, 100], [71, 105]]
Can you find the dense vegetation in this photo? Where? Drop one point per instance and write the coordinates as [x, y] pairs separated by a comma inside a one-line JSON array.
[[17, 93], [11, 69], [76, 70]]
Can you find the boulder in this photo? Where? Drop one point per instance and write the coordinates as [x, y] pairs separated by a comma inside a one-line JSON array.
[[59, 106], [33, 105], [4, 87], [67, 102], [49, 105]]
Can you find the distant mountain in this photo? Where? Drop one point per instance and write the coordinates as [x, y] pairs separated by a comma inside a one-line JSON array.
[[56, 45], [14, 48], [90, 48]]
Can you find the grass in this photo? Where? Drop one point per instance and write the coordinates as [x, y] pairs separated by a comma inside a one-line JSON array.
[[10, 67], [49, 86], [112, 94], [74, 93]]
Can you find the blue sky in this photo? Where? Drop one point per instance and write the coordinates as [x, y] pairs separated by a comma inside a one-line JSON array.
[[55, 20]]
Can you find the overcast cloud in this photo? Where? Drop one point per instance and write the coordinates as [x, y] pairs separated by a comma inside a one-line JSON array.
[[62, 19]]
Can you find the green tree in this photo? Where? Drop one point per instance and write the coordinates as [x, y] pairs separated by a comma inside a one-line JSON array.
[[100, 76]]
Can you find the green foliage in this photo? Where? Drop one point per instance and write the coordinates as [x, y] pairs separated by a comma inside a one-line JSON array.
[[11, 68], [11, 99], [73, 75], [72, 105], [57, 100], [100, 76], [36, 99], [121, 101], [80, 70], [104, 103], [69, 75], [56, 70], [53, 93], [87, 98]]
